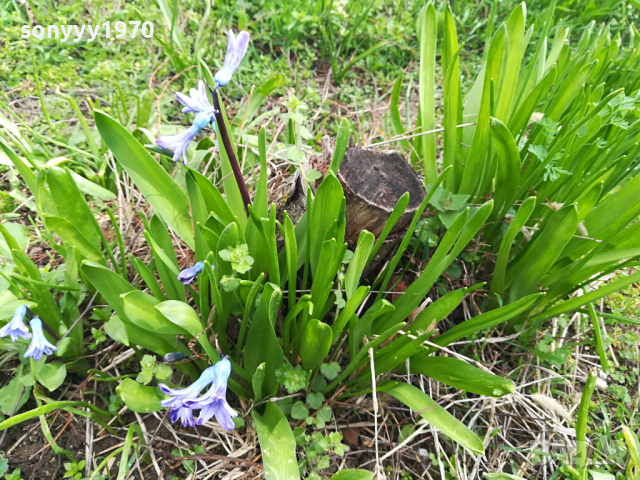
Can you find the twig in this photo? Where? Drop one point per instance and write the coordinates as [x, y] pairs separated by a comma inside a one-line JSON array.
[[435, 130], [375, 412], [79, 318]]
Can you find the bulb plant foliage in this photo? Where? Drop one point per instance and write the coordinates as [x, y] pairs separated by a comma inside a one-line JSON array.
[[553, 201]]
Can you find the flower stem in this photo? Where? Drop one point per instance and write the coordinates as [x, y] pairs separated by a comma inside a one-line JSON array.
[[226, 142]]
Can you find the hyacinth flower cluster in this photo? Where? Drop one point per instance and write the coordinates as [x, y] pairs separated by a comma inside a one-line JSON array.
[[188, 275], [198, 103], [213, 403], [17, 329]]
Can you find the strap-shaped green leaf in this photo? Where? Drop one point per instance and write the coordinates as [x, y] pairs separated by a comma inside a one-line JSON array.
[[157, 186], [277, 443], [262, 343], [428, 41], [358, 262], [70, 234], [139, 308], [353, 474], [326, 207], [459, 374], [525, 273], [434, 414], [487, 320]]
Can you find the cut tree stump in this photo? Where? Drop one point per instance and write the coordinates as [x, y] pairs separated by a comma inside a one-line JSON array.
[[373, 182]]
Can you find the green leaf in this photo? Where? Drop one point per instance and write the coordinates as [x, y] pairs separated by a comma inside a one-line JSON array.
[[474, 170], [291, 251], [50, 407], [506, 476], [434, 414], [508, 169], [452, 98], [277, 443], [362, 327], [325, 211], [181, 315], [340, 148], [160, 190], [51, 375], [515, 49], [394, 111], [428, 40], [576, 302], [352, 474], [139, 308], [419, 288], [358, 262], [90, 188], [461, 375], [398, 211], [316, 343], [330, 370], [163, 372], [110, 284], [435, 312], [349, 310], [25, 170], [72, 206], [139, 398], [9, 303], [486, 320], [144, 377], [71, 236], [262, 343], [299, 411], [520, 118], [13, 396], [602, 353], [445, 201], [315, 400], [291, 378], [520, 219], [256, 383], [259, 248], [323, 415], [528, 269], [409, 234], [199, 216], [213, 199]]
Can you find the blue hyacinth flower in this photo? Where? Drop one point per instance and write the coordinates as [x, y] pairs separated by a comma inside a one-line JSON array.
[[179, 143], [178, 397], [188, 275], [236, 50], [16, 327], [184, 401], [214, 402], [197, 101], [39, 344]]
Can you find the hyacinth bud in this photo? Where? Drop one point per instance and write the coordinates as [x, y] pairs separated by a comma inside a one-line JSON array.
[[174, 357]]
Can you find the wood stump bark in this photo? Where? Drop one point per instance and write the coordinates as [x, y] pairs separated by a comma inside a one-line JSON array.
[[372, 182]]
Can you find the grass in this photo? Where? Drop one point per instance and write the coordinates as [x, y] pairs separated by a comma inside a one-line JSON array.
[[525, 435]]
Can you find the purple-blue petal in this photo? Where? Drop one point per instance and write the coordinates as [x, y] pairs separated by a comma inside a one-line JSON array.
[[188, 275], [16, 327], [39, 344], [236, 50]]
